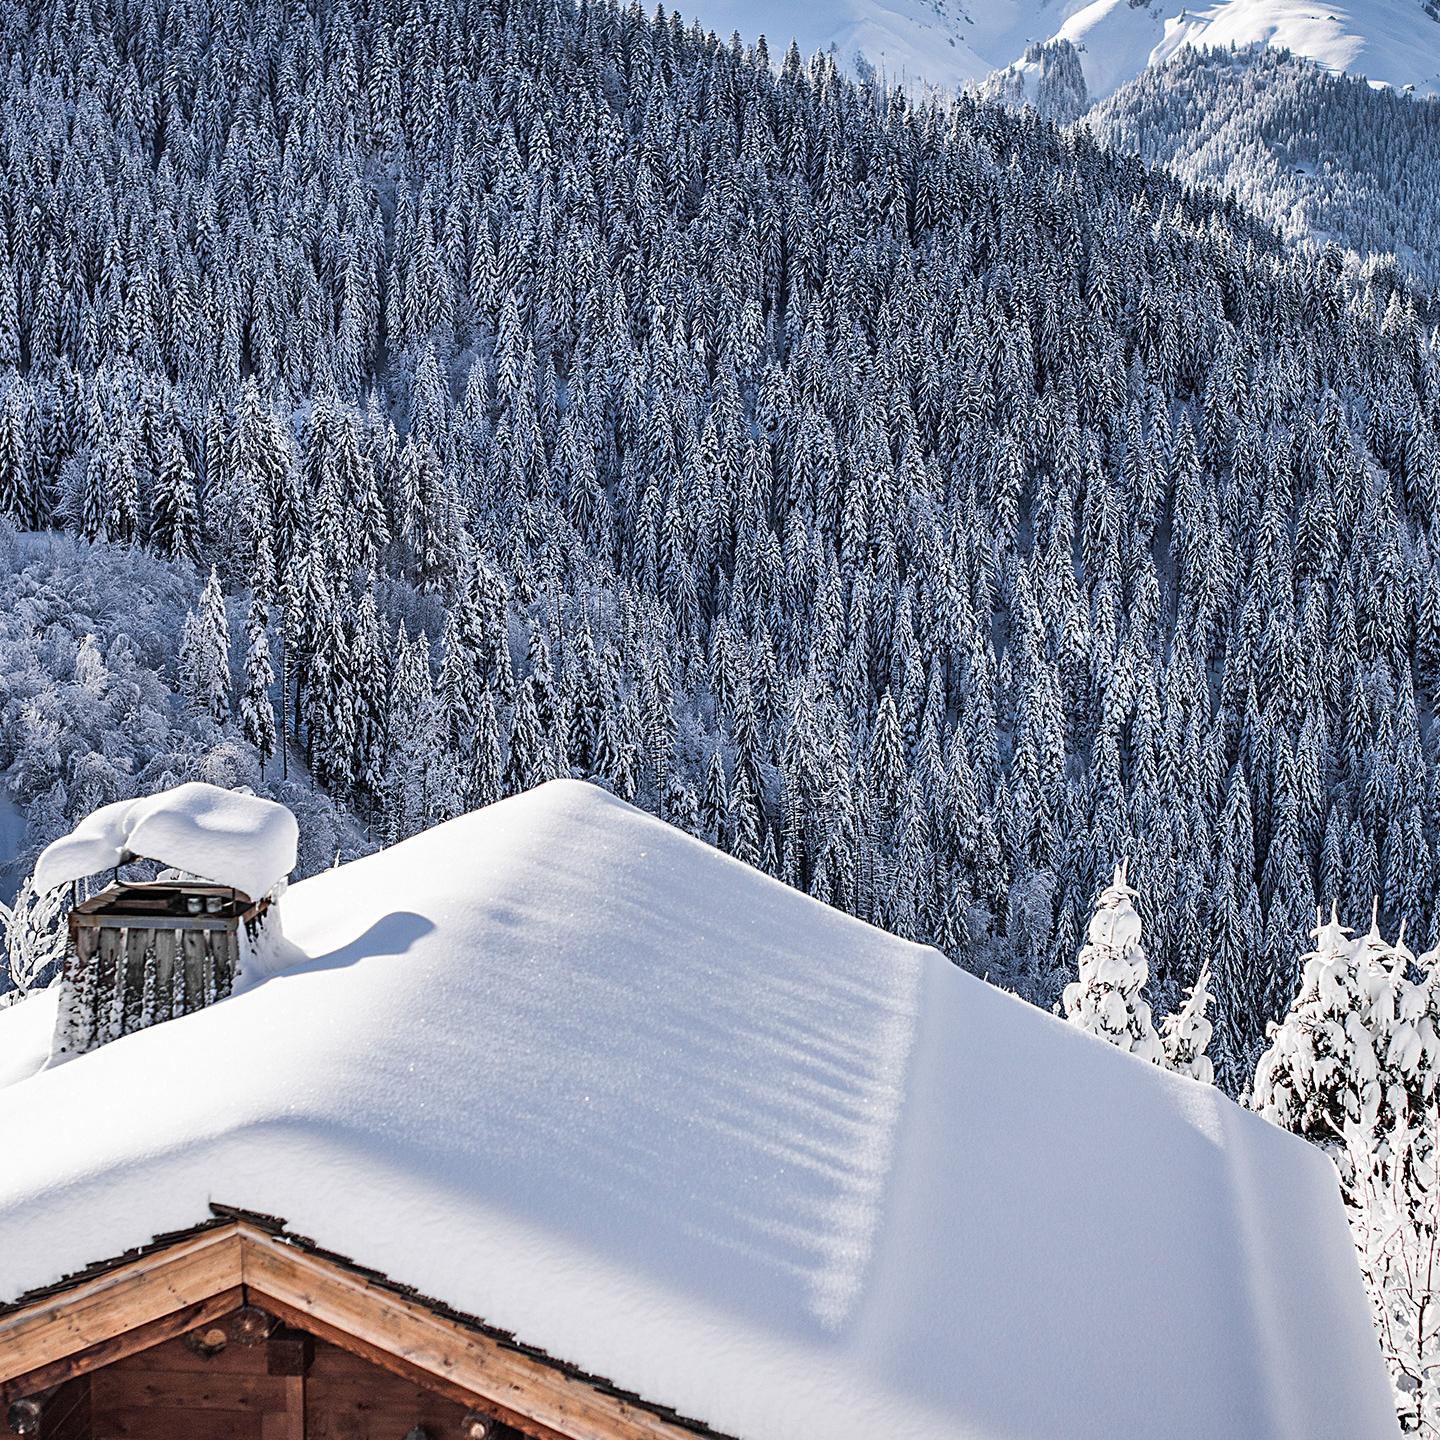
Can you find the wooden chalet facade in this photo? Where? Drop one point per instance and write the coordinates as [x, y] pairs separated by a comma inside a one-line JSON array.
[[240, 1331]]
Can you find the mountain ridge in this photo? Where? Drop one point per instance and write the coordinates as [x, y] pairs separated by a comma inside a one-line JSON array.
[[950, 45]]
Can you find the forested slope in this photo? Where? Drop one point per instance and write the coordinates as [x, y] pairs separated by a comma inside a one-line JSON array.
[[923, 504], [91, 640]]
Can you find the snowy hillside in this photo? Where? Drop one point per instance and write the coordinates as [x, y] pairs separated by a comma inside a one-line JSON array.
[[1321, 157], [1394, 42], [951, 43], [901, 499], [564, 1068]]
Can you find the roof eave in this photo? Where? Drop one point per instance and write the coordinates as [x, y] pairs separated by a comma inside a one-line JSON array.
[[119, 1307]]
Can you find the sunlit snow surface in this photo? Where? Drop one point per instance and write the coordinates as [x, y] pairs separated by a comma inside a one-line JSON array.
[[566, 1069], [951, 43], [220, 835]]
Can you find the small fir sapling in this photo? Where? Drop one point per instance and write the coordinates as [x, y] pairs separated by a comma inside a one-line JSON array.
[[1185, 1034], [1106, 999]]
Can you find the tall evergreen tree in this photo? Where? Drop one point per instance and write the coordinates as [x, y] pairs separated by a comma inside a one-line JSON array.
[[257, 710], [205, 654]]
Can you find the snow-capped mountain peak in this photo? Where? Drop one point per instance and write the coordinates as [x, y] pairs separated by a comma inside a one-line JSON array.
[[949, 45]]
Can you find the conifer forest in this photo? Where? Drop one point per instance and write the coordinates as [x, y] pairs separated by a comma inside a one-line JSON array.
[[1009, 517], [927, 505]]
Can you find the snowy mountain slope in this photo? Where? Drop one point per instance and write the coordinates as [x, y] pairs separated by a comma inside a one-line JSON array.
[[927, 42], [1394, 42], [561, 1066], [949, 43], [1321, 157]]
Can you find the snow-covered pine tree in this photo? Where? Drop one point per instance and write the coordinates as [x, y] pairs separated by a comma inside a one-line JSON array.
[[715, 801], [17, 454], [745, 840], [1352, 1067], [1185, 1034], [1106, 1000], [1321, 1074], [483, 783], [174, 519], [257, 709], [529, 761], [370, 690], [205, 654]]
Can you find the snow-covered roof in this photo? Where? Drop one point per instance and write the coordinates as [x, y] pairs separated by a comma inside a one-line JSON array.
[[221, 835], [563, 1068]]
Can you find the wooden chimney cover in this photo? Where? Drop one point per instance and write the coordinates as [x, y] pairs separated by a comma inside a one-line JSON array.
[[143, 953]]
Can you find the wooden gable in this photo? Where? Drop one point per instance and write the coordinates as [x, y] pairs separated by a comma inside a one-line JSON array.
[[238, 1332], [230, 1390]]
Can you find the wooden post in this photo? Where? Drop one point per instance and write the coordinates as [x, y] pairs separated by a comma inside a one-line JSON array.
[[110, 984], [165, 949], [289, 1423], [227, 959], [196, 963], [84, 988], [137, 942]]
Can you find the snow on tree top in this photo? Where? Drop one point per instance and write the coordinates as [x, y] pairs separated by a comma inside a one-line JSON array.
[[1115, 922], [220, 835], [566, 1069]]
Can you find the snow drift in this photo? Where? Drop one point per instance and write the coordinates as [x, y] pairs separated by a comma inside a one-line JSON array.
[[564, 1068], [220, 835]]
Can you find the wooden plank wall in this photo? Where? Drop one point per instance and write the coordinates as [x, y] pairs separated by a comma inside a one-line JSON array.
[[172, 1393], [66, 1413], [122, 977]]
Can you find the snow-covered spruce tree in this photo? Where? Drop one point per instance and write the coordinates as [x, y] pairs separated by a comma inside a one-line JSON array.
[[35, 936], [205, 654], [17, 453], [1106, 999], [1185, 1034], [257, 710], [1414, 1049], [1322, 1073], [1352, 1068], [174, 520], [483, 783]]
